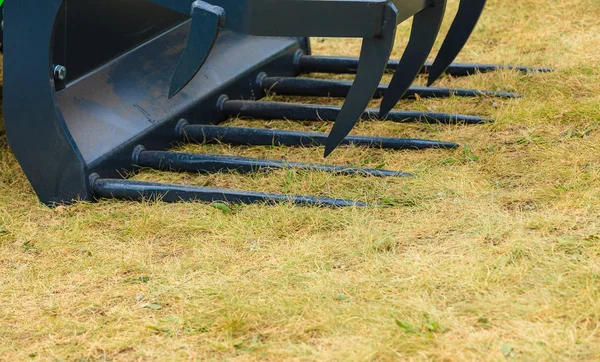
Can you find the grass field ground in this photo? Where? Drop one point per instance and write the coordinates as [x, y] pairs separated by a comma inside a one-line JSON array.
[[491, 252]]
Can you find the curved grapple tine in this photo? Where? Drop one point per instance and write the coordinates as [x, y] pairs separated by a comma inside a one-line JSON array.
[[374, 56], [425, 29], [466, 19], [204, 29]]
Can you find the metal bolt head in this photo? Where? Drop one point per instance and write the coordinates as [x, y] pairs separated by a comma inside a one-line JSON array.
[[60, 72]]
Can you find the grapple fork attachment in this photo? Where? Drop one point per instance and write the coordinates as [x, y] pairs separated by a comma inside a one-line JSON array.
[[373, 20], [128, 92]]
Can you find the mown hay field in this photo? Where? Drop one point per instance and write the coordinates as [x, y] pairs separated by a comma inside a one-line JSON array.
[[491, 252]]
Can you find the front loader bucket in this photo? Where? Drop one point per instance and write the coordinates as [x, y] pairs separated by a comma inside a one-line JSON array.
[[100, 90]]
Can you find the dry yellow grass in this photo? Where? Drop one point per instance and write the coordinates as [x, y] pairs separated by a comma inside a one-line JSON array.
[[492, 252]]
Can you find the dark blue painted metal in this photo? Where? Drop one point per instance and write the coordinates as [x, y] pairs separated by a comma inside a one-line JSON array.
[[332, 18], [348, 65], [462, 69], [311, 87], [191, 162], [140, 190], [314, 112], [425, 29], [373, 20], [94, 32], [204, 29], [374, 55], [93, 124], [1, 28], [116, 95], [35, 127], [270, 137], [466, 19], [124, 104]]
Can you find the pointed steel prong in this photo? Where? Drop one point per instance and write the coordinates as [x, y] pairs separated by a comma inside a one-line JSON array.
[[311, 87], [318, 112], [272, 137], [425, 29], [206, 163], [374, 57], [105, 188], [466, 19], [348, 65], [466, 69], [204, 29]]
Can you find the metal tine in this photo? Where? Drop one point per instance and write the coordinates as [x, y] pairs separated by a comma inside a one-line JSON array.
[[314, 112], [374, 56], [311, 87], [348, 65], [270, 137], [204, 30], [465, 69], [141, 190], [207, 163], [469, 12], [425, 29]]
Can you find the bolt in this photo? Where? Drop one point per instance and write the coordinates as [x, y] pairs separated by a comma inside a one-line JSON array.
[[60, 72]]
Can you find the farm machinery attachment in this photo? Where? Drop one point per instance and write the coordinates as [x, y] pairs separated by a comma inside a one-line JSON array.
[[94, 89]]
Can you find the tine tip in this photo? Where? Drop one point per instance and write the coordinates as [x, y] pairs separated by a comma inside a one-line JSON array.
[[384, 111], [383, 114], [328, 150], [434, 74], [430, 81], [173, 91]]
